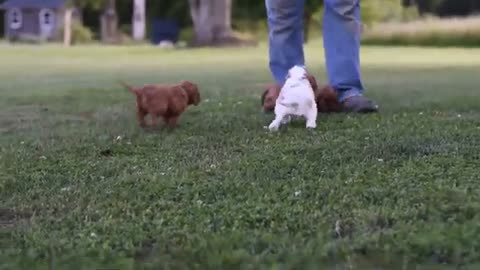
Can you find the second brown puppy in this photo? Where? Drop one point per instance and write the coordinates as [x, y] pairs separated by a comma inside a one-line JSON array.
[[325, 97], [166, 101]]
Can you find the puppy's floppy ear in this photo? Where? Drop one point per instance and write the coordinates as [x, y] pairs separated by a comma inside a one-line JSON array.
[[320, 100], [192, 92], [313, 82], [262, 100]]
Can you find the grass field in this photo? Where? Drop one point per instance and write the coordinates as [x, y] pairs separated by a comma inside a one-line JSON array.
[[82, 187]]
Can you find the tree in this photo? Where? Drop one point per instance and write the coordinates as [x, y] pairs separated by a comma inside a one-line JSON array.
[[67, 26], [109, 22], [212, 23], [70, 5], [428, 6], [138, 20]]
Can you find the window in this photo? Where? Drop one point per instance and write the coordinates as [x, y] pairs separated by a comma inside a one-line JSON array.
[[46, 18], [15, 18]]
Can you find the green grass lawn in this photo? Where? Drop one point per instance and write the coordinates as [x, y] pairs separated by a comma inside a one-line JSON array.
[[82, 187]]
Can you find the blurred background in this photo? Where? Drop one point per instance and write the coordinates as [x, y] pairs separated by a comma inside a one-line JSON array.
[[177, 23]]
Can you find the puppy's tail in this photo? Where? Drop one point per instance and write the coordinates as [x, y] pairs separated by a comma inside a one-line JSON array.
[[130, 87], [289, 103], [295, 104]]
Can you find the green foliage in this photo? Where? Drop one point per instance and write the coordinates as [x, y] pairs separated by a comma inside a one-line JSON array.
[[81, 34], [381, 11], [410, 14], [82, 187], [186, 34]]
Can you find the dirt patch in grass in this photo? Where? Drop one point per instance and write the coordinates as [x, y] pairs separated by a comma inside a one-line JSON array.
[[10, 217], [28, 117]]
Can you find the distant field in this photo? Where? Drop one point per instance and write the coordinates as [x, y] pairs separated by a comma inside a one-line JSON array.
[[82, 187]]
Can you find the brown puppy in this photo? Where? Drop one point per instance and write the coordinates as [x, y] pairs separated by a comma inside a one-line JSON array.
[[269, 97], [325, 97], [327, 100], [166, 101]]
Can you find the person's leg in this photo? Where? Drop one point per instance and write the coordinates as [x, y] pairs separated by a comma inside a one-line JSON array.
[[341, 31], [285, 25]]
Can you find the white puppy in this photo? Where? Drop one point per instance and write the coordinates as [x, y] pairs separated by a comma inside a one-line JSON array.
[[296, 99]]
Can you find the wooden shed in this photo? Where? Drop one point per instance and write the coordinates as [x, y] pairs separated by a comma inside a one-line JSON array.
[[41, 18]]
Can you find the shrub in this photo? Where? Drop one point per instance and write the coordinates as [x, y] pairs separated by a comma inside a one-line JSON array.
[[186, 34], [80, 34], [381, 11]]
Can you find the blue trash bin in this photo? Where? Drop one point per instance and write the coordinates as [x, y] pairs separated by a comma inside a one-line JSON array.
[[165, 30]]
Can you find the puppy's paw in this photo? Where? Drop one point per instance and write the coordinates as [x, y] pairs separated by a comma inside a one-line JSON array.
[[273, 127], [311, 125]]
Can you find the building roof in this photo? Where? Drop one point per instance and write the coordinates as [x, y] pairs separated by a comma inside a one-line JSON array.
[[32, 4]]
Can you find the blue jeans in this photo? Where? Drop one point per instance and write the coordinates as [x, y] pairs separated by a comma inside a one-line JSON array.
[[341, 35]]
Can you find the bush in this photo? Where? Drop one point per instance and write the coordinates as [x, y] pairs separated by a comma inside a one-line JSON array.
[[256, 29], [463, 32], [80, 34]]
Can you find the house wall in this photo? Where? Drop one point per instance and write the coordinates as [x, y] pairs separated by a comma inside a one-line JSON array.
[[59, 18], [2, 23], [29, 24], [5, 25]]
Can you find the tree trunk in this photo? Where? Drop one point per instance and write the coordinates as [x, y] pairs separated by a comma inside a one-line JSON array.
[[138, 20], [67, 27], [222, 21], [109, 23], [201, 13], [212, 23]]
